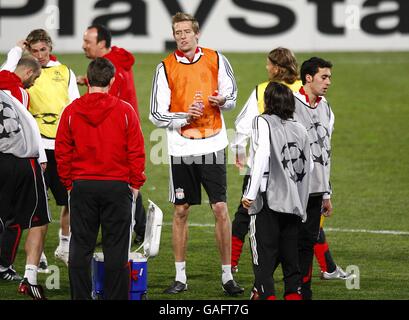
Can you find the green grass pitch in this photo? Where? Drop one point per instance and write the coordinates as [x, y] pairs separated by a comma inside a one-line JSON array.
[[370, 178]]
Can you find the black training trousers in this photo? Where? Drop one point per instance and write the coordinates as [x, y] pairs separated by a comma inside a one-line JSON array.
[[93, 204], [307, 237], [241, 221], [273, 239]]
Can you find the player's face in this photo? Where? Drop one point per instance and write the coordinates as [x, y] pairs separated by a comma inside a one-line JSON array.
[[31, 78], [186, 39], [41, 51], [271, 69], [90, 44], [321, 81]]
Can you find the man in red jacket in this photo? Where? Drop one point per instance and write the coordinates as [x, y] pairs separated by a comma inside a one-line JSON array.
[[96, 44], [100, 159]]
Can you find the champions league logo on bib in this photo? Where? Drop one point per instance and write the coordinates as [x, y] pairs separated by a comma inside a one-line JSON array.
[[180, 193], [293, 160], [9, 121]]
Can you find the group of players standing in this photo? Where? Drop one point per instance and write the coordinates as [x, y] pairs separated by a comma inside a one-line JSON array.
[[286, 190]]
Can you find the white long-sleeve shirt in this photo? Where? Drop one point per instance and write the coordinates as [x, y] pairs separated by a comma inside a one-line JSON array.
[[172, 121], [259, 157], [243, 125]]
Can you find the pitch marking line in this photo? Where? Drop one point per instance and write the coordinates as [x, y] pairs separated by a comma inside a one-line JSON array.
[[393, 232]]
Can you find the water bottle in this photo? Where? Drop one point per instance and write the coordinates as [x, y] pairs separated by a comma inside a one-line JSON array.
[[198, 100]]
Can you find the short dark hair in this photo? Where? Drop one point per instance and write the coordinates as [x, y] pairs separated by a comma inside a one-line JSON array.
[[103, 33], [311, 67], [100, 72], [279, 100], [29, 61]]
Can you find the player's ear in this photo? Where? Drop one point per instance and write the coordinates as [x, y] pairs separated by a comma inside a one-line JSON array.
[[111, 82], [102, 44], [29, 72]]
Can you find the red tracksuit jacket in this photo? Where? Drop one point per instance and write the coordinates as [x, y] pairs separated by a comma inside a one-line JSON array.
[[99, 138], [124, 86], [10, 81]]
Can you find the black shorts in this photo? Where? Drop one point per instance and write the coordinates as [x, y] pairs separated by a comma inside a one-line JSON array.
[[53, 182], [23, 198], [188, 173]]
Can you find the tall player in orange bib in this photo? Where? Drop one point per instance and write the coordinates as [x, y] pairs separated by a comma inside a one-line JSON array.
[[191, 89]]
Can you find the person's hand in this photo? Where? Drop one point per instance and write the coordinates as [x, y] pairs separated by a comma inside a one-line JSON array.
[[240, 160], [43, 166], [326, 207], [217, 101], [194, 112], [22, 44], [246, 202], [81, 80], [135, 192]]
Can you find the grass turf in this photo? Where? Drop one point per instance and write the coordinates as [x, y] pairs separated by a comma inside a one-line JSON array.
[[370, 178]]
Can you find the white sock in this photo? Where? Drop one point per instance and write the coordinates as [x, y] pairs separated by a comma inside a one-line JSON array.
[[31, 274], [43, 257], [226, 273], [181, 271], [64, 242]]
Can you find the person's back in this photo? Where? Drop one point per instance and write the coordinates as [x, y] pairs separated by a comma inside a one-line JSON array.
[[99, 123], [288, 166], [277, 193], [101, 159]]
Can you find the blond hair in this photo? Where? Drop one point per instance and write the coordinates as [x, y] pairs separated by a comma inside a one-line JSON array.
[[287, 65], [181, 16], [39, 35]]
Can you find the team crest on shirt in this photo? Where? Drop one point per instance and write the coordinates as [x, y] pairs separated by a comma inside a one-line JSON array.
[[180, 193], [58, 76]]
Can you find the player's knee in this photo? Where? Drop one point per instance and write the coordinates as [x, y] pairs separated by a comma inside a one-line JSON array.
[[181, 212], [220, 210]]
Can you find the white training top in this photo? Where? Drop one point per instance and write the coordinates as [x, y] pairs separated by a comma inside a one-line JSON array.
[[162, 118]]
